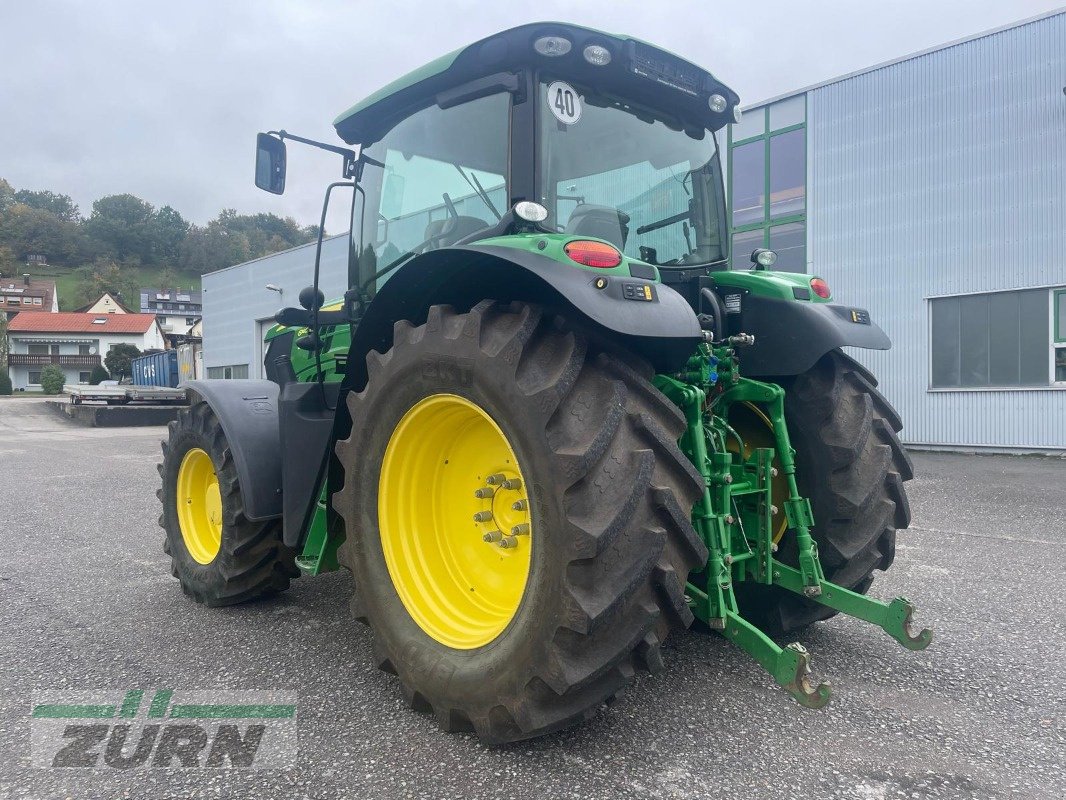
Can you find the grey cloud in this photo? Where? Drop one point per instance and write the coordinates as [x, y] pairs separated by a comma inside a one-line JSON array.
[[163, 99]]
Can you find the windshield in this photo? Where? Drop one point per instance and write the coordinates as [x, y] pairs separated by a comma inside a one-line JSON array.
[[622, 174]]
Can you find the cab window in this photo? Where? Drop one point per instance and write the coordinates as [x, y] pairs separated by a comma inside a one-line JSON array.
[[444, 178]]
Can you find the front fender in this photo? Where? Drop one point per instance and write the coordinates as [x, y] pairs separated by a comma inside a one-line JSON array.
[[791, 335], [247, 410], [663, 330]]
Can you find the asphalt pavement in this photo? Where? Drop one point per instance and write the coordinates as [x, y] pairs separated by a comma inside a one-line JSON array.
[[87, 602]]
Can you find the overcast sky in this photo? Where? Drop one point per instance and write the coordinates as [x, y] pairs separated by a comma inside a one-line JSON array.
[[164, 99]]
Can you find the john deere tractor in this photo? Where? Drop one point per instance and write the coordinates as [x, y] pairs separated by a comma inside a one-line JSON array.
[[547, 425]]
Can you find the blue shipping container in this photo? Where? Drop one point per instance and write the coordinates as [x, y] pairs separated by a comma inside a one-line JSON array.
[[156, 369]]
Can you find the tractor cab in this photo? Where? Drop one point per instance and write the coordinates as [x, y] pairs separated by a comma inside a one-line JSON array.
[[612, 138]]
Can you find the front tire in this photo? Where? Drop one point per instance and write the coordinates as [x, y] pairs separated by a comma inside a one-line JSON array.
[[218, 554], [610, 543]]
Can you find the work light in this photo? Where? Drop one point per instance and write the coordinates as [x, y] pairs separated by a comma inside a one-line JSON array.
[[552, 46], [597, 55]]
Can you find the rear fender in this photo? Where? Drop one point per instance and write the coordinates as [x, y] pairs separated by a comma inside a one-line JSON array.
[[664, 330], [247, 410], [791, 335]]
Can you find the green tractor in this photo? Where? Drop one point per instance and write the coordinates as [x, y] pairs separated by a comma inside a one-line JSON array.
[[547, 425]]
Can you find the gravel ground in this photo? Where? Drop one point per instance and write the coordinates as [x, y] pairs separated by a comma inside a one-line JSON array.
[[87, 601]]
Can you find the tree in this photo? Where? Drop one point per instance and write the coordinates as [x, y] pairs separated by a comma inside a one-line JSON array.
[[118, 359], [7, 260], [98, 374], [7, 195], [121, 224], [52, 379], [26, 230], [104, 275], [5, 381], [58, 205], [166, 231]]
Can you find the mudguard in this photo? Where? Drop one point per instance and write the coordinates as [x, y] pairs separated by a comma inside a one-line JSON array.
[[791, 335], [247, 410], [663, 330]]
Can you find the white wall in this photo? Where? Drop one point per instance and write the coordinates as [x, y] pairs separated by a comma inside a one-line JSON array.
[[20, 342]]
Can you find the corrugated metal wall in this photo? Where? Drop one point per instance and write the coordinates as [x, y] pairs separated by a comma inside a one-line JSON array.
[[945, 174]]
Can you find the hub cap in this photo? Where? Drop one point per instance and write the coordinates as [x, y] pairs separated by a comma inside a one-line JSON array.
[[454, 520], [199, 506]]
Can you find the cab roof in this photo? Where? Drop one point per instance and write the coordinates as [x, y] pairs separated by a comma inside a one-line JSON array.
[[637, 71]]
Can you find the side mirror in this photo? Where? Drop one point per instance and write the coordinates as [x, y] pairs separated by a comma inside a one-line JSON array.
[[270, 163]]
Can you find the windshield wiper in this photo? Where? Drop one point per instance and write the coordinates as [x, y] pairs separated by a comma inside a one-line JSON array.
[[479, 190], [654, 226]]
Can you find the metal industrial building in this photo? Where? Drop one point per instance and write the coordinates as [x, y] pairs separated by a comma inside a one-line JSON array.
[[935, 195], [240, 302], [930, 189]]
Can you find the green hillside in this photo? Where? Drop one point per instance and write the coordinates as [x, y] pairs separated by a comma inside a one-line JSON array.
[[71, 286]]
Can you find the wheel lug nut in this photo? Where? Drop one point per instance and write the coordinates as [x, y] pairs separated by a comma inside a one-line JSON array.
[[492, 536], [508, 542], [484, 492], [773, 511], [482, 516], [495, 479], [520, 505], [773, 472], [513, 483], [521, 529]]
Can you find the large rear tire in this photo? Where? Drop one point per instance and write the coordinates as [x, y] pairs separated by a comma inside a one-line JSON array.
[[218, 554], [609, 543], [852, 465]]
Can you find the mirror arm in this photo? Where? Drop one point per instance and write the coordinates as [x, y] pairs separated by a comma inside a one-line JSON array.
[[351, 157]]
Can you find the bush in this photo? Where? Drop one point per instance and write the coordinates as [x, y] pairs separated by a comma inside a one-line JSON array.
[[5, 381], [52, 379], [99, 374]]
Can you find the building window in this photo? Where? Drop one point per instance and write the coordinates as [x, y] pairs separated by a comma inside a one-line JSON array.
[[993, 340], [83, 377], [84, 350], [37, 301], [768, 184], [35, 379], [37, 349], [234, 371], [1059, 300]]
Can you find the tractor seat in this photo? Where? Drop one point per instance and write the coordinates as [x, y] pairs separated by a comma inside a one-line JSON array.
[[601, 222], [454, 229]]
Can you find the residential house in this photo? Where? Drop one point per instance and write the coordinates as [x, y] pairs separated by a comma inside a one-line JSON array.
[[176, 309], [24, 294], [107, 303], [74, 341]]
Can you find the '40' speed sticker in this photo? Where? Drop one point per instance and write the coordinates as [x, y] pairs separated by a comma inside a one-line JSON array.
[[564, 102]]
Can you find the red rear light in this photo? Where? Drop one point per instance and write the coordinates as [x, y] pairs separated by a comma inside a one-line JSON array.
[[593, 254], [820, 288]]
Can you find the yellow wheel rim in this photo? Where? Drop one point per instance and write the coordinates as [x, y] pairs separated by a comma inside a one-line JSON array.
[[199, 506], [454, 520], [756, 430]]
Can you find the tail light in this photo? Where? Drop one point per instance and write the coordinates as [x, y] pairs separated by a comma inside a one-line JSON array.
[[593, 254], [820, 288]]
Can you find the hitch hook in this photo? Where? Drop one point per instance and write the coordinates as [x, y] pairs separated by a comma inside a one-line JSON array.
[[898, 625]]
